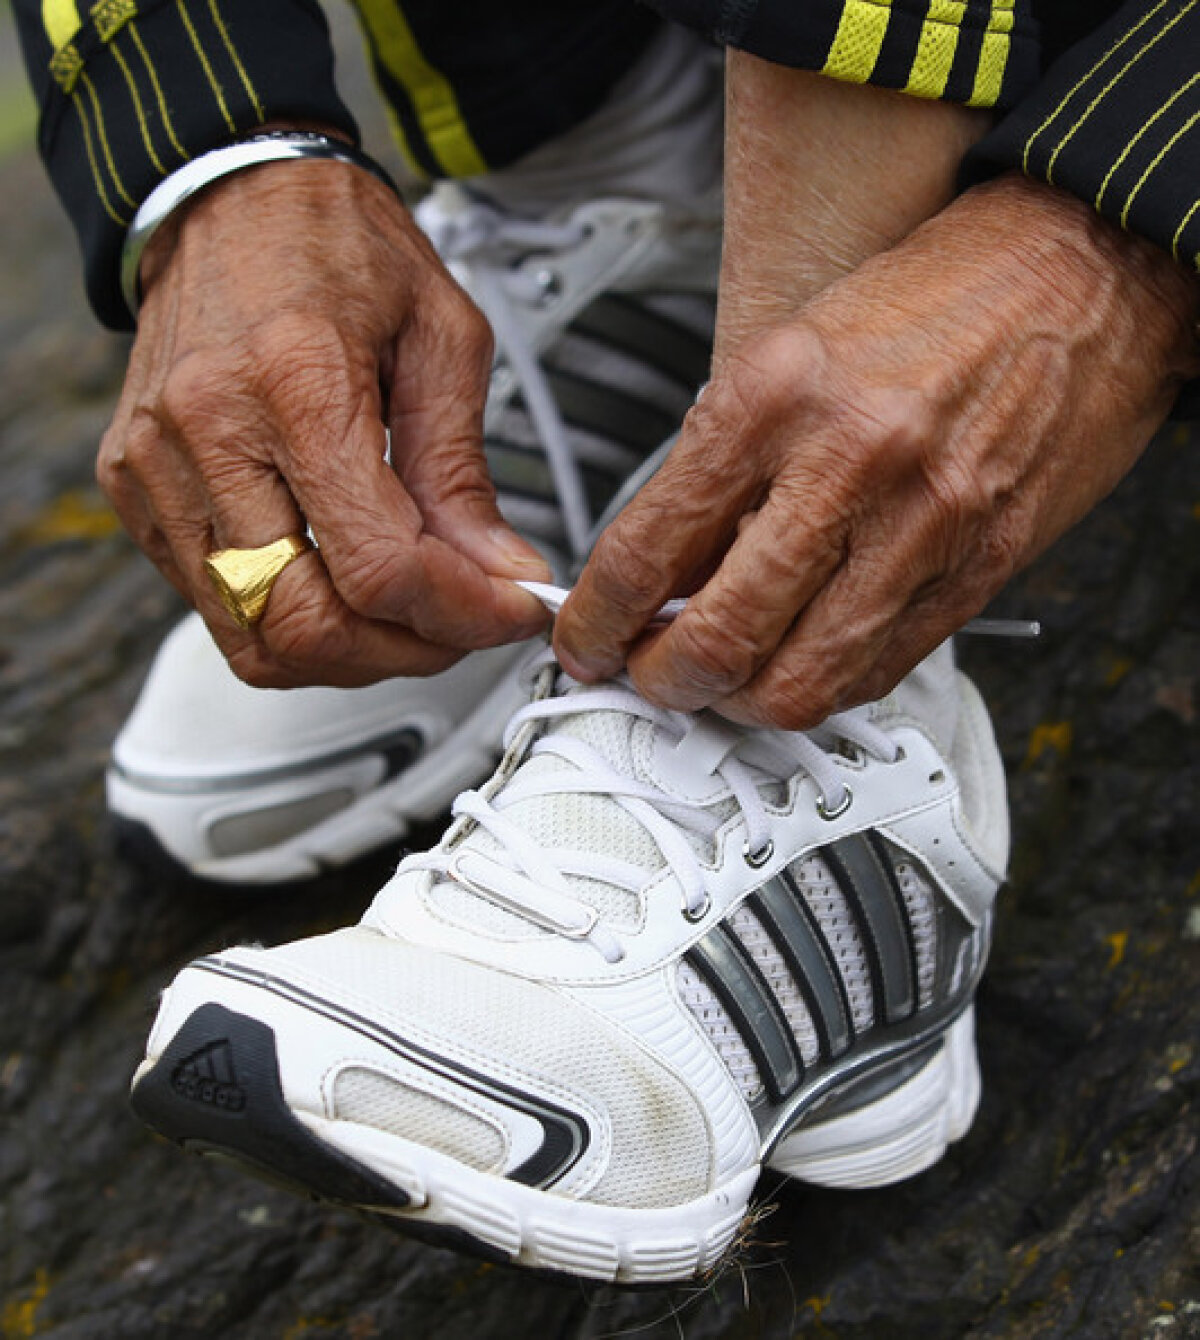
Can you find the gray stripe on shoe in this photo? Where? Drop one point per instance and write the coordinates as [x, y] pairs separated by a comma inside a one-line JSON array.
[[863, 872], [723, 963], [600, 409], [657, 340], [781, 908]]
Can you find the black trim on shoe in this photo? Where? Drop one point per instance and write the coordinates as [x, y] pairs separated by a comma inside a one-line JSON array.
[[565, 1135], [216, 1089]]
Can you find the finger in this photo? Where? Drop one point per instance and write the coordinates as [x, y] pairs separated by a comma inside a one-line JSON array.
[[736, 621], [383, 563], [813, 670], [436, 419], [130, 504], [834, 652], [218, 489], [681, 521], [158, 495]]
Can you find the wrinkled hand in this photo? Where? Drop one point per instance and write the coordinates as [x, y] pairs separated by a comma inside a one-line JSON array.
[[867, 474], [295, 312]]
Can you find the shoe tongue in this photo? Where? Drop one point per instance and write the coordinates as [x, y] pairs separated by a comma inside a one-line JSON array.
[[569, 820]]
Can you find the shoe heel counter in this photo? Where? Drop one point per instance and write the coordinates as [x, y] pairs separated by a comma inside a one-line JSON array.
[[979, 768]]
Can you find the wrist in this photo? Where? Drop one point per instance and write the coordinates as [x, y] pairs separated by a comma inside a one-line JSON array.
[[1086, 261], [154, 233]]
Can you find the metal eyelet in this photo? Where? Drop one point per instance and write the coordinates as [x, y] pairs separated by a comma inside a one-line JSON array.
[[839, 809], [694, 914], [758, 858], [550, 285]]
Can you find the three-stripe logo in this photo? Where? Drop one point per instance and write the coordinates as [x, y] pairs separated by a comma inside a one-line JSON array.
[[801, 979]]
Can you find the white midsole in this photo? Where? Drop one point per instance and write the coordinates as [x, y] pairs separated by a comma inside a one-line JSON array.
[[542, 1230], [899, 1134], [381, 815]]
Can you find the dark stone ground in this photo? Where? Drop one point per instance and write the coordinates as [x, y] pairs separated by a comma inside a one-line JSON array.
[[1070, 1210]]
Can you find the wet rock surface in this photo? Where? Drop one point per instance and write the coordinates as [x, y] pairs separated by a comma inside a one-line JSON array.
[[1072, 1208]]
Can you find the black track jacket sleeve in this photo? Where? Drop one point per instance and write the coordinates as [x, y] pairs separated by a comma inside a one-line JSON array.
[[1098, 97], [129, 90], [1116, 121]]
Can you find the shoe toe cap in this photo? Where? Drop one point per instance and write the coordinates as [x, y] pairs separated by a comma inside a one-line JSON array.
[[501, 1074]]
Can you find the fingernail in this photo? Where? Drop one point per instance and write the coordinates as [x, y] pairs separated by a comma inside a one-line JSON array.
[[518, 556]]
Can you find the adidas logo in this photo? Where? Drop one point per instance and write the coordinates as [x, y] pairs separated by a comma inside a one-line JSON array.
[[207, 1077]]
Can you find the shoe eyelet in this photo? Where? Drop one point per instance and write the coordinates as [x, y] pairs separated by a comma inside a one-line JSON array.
[[694, 914], [900, 754], [756, 859], [550, 285], [836, 812]]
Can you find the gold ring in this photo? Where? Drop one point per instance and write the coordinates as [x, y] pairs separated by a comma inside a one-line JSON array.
[[243, 578]]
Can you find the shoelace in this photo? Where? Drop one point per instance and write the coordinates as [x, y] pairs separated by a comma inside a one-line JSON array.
[[523, 877], [491, 242]]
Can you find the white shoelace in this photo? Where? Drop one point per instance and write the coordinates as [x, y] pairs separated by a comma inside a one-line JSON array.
[[523, 877], [491, 242]]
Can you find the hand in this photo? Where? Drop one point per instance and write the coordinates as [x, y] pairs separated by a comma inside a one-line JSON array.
[[866, 475], [293, 312]]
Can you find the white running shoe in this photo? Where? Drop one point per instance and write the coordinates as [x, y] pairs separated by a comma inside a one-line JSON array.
[[655, 953], [603, 320]]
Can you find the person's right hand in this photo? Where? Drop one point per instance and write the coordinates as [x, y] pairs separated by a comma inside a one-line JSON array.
[[292, 315]]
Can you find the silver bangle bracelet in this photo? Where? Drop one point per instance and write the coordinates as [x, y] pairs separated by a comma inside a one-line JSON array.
[[180, 186]]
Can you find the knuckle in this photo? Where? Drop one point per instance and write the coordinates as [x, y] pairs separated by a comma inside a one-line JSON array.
[[787, 700], [623, 578], [300, 360], [457, 327], [717, 647], [461, 474], [300, 642], [899, 425], [253, 666], [789, 359], [959, 506], [195, 384], [371, 582], [1003, 555], [109, 471], [140, 447]]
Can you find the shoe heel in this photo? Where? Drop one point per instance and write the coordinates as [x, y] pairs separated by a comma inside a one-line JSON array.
[[898, 1135]]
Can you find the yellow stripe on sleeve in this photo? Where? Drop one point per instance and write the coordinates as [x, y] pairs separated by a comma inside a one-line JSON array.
[[104, 145], [432, 96], [935, 50], [858, 40], [97, 179], [1133, 143], [994, 51], [139, 110], [61, 20], [1183, 223], [209, 74], [251, 91], [1113, 82], [158, 93], [989, 75], [1112, 51], [1152, 166]]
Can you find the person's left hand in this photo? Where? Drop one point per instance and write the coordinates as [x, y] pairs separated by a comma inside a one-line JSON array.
[[860, 480]]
